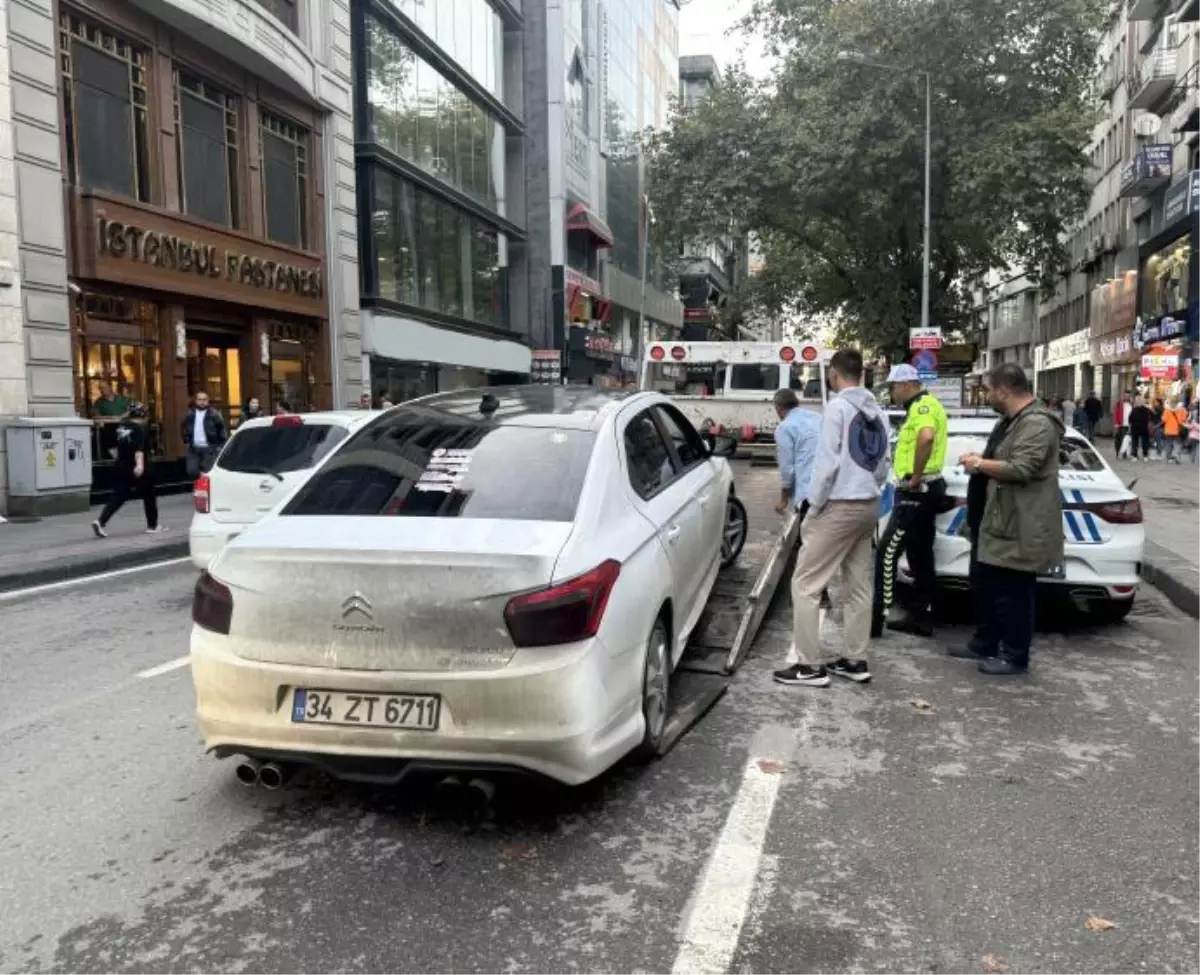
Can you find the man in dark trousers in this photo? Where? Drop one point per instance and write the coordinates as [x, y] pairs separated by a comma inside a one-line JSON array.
[[920, 491], [131, 476], [204, 433], [1015, 517]]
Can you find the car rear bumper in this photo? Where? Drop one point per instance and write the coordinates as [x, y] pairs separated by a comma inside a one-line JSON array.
[[206, 539], [1094, 572], [553, 720]]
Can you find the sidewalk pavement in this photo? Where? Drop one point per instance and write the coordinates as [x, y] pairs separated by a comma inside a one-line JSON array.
[[33, 553], [1170, 496]]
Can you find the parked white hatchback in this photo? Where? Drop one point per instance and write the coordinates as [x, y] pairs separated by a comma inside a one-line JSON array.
[[264, 461], [484, 579]]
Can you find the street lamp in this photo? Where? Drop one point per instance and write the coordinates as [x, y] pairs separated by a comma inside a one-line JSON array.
[[647, 220], [857, 57]]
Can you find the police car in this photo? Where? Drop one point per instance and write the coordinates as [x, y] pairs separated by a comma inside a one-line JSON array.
[[1102, 522]]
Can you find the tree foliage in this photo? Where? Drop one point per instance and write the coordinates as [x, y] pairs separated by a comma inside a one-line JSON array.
[[823, 162]]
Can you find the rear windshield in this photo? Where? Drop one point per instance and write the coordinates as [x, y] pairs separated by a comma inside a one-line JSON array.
[[1073, 454], [278, 450], [414, 463]]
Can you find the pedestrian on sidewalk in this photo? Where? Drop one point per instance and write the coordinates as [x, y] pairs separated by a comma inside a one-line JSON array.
[[131, 475], [1015, 522], [204, 433], [848, 473], [1193, 431], [1121, 425], [920, 490], [251, 411], [1068, 411], [1141, 420], [1157, 435], [1174, 430], [1093, 410]]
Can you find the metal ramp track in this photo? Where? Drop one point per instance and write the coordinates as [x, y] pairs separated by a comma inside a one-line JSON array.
[[739, 603]]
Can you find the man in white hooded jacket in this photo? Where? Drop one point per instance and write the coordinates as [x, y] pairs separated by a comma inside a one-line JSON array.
[[848, 474]]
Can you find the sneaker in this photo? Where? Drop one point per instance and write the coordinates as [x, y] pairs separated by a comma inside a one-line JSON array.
[[1003, 667], [156, 529], [855, 670], [799, 674], [968, 653], [98, 530]]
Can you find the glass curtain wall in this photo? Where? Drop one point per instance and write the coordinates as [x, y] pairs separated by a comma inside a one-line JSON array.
[[469, 32]]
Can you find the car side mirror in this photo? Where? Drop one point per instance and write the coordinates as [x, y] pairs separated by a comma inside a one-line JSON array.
[[721, 445]]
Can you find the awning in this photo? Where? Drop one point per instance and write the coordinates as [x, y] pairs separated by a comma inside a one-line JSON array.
[[579, 217], [407, 340]]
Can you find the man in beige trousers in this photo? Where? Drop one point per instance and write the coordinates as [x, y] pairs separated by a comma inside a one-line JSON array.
[[848, 474]]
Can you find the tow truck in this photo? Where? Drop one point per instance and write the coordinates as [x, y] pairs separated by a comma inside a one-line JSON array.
[[728, 387]]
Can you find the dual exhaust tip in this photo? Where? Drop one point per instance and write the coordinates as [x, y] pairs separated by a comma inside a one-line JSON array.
[[270, 775], [478, 793]]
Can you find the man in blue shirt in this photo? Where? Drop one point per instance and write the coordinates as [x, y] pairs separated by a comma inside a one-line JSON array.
[[796, 446]]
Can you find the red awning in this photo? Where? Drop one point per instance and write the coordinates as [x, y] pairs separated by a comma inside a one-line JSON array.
[[579, 217]]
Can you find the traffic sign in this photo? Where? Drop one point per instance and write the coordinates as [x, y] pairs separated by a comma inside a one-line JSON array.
[[925, 361], [924, 338]]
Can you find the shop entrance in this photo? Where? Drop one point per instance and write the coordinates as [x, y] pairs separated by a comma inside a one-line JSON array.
[[214, 364]]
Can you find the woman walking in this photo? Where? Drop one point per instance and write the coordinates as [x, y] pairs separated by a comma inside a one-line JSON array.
[[1140, 420]]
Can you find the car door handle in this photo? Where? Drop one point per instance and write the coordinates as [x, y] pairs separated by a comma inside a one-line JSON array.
[[704, 499], [673, 534]]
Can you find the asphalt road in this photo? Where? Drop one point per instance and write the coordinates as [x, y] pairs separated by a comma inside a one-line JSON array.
[[845, 829]]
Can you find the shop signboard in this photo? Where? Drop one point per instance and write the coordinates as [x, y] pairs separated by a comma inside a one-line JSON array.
[[1113, 348], [1182, 198], [142, 246], [1161, 362], [1067, 350], [925, 338]]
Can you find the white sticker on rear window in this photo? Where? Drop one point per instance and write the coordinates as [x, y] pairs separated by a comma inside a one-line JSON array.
[[445, 470]]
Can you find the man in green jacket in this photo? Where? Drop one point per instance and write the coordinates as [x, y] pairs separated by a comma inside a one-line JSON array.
[[1015, 517]]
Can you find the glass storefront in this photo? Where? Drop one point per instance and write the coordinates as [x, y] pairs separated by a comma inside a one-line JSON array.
[[1165, 281], [431, 254], [417, 113], [469, 31]]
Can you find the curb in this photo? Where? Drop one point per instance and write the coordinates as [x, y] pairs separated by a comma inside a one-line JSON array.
[[80, 568], [1182, 595]]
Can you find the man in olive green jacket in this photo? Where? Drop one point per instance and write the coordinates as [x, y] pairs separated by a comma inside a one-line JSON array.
[[1015, 516]]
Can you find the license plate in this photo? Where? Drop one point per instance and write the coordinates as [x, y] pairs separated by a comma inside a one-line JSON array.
[[412, 712], [1058, 571]]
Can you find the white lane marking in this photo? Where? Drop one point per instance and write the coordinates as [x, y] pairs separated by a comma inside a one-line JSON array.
[[165, 668], [98, 577], [722, 898]]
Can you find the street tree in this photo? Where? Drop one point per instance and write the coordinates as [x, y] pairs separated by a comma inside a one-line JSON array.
[[823, 161]]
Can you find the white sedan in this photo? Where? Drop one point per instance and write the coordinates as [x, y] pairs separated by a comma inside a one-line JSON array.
[[1102, 524], [264, 461], [499, 589]]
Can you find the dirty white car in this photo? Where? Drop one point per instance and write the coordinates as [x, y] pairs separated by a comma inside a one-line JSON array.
[[506, 588]]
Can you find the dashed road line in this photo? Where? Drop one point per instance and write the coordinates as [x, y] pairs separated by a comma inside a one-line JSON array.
[[97, 577], [165, 668]]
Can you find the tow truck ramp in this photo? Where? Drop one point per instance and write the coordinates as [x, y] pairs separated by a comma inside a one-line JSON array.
[[740, 600]]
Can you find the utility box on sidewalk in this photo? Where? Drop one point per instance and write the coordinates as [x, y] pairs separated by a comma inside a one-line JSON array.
[[49, 465]]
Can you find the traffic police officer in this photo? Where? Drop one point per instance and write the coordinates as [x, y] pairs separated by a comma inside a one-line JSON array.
[[920, 491]]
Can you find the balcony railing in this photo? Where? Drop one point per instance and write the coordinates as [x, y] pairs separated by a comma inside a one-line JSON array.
[[1155, 78], [1111, 76], [1150, 170]]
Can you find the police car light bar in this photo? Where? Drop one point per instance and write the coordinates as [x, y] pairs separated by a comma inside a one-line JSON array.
[[736, 353]]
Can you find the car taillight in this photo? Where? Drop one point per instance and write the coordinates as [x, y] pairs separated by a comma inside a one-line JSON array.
[[202, 494], [212, 605], [1118, 512], [566, 613]]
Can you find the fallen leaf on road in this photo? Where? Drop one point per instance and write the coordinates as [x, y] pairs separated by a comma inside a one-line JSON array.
[[1098, 924], [993, 963], [921, 705], [771, 766], [1012, 779], [518, 851]]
